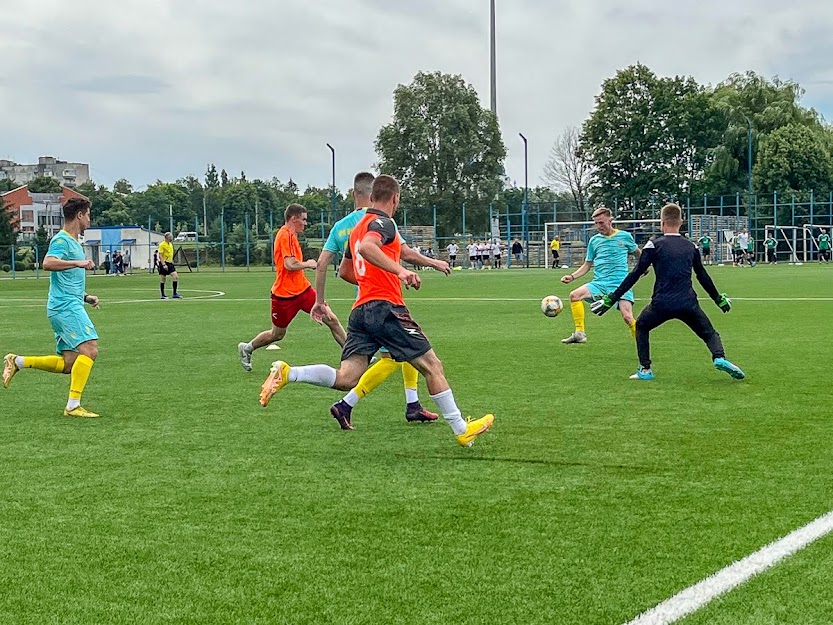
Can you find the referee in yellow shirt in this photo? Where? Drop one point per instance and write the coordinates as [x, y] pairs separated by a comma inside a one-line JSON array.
[[166, 266], [554, 247]]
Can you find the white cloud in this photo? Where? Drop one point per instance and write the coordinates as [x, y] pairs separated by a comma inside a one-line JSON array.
[[157, 89]]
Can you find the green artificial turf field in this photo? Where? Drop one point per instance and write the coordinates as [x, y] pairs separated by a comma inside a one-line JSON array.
[[593, 498]]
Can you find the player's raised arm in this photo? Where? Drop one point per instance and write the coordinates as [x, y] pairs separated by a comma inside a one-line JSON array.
[[705, 279]]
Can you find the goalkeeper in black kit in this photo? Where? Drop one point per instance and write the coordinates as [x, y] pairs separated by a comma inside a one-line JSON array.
[[673, 257]]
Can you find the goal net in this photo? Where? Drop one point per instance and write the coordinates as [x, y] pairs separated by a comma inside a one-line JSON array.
[[574, 236]]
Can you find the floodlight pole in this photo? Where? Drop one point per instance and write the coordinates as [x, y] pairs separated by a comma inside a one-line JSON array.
[[526, 197], [333, 209], [493, 57]]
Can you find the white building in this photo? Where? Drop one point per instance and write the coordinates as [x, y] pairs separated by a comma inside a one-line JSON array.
[[66, 173], [136, 243]]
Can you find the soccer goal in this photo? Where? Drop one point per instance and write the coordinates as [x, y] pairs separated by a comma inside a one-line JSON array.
[[811, 242], [792, 237], [574, 235]]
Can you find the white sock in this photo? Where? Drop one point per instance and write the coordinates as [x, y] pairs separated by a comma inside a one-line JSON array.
[[352, 398], [18, 361], [411, 395], [72, 404], [445, 402], [319, 375], [249, 348]]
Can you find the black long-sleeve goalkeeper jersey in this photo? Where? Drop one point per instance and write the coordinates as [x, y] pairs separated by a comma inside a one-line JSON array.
[[673, 258]]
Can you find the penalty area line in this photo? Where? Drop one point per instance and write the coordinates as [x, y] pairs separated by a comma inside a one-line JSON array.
[[700, 594]]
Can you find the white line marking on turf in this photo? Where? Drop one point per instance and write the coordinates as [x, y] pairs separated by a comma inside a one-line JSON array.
[[695, 597]]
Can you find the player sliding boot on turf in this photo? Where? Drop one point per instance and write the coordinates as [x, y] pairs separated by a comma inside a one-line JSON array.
[[673, 258], [381, 319]]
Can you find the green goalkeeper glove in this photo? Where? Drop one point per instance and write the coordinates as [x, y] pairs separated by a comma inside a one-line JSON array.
[[601, 306], [724, 303]]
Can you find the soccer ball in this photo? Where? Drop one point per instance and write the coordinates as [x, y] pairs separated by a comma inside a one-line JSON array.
[[551, 306]]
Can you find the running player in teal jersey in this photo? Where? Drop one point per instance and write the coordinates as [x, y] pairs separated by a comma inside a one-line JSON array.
[[607, 256], [75, 336]]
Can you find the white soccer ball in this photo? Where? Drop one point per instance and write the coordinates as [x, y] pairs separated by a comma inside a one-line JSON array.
[[551, 306]]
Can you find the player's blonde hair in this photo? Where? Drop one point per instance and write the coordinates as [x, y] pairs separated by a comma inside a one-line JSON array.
[[603, 210]]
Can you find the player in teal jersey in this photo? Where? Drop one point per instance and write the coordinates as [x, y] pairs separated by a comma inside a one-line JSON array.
[[824, 246], [706, 245], [75, 336], [607, 256], [771, 244]]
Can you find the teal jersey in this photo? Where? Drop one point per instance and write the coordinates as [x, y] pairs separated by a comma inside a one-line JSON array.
[[770, 243], [610, 256], [705, 242], [751, 245], [340, 234], [66, 288], [824, 241]]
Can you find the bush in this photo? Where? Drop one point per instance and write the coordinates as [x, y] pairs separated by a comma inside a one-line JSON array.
[[7, 268]]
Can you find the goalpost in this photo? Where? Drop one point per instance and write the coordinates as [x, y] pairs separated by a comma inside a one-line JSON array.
[[790, 236], [574, 235]]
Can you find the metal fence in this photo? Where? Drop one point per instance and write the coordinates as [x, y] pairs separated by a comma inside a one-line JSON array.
[[248, 245]]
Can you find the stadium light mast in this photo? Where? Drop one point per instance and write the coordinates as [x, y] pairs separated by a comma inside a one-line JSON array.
[[333, 193], [493, 56], [525, 211]]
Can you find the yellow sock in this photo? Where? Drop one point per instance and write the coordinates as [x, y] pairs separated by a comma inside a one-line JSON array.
[[410, 375], [577, 309], [632, 326], [79, 376], [374, 376], [53, 364]]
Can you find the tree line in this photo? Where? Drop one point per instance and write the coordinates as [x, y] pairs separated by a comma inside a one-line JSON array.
[[647, 139]]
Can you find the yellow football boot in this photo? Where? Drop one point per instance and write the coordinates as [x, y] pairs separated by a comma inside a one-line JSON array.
[[474, 429], [278, 377]]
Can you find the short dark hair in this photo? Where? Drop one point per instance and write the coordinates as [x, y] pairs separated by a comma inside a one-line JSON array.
[[75, 205], [293, 210], [672, 213], [384, 188], [363, 183]]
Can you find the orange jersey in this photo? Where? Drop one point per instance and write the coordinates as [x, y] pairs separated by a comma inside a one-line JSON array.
[[288, 283], [375, 283]]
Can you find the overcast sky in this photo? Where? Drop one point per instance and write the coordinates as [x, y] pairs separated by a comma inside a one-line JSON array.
[[147, 89]]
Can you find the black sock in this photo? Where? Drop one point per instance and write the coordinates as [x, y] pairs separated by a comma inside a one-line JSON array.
[[162, 287], [175, 283]]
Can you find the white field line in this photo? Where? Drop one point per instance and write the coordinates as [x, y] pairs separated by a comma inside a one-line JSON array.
[[695, 597], [106, 302], [219, 296]]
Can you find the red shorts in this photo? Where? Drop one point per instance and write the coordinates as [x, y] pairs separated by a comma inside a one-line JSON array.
[[284, 309]]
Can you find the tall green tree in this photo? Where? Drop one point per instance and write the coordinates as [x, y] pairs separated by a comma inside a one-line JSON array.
[[649, 135], [444, 148], [212, 180], [753, 107], [44, 184], [794, 158]]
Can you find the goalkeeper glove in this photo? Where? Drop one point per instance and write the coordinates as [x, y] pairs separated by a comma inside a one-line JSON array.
[[724, 303], [601, 306]]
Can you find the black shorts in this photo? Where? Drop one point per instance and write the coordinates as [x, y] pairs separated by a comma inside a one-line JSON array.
[[555, 254], [707, 251], [166, 269], [472, 259], [379, 324], [452, 257], [824, 254]]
